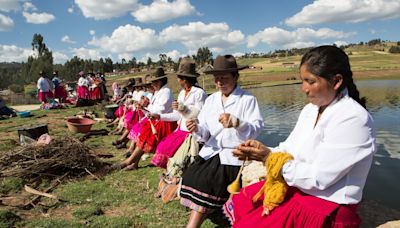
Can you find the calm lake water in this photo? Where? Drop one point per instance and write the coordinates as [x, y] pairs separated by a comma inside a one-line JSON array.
[[281, 106]]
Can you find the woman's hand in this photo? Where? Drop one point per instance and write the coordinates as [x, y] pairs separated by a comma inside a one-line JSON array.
[[175, 105], [227, 120], [191, 125], [253, 150], [153, 116]]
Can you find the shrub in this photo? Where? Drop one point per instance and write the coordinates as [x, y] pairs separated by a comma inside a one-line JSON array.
[[394, 49], [16, 88]]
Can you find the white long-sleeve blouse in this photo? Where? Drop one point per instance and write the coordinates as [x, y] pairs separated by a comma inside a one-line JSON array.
[[332, 159], [219, 140], [161, 102], [195, 98]]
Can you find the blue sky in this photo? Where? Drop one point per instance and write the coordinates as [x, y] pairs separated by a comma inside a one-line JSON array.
[[144, 28]]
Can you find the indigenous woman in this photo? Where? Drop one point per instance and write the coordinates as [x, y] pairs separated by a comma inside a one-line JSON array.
[[153, 130], [228, 118], [83, 86], [59, 88], [190, 99], [95, 93], [329, 153], [44, 86]]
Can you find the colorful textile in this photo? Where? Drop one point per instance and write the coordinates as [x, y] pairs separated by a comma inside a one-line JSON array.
[[153, 131], [137, 127], [167, 148], [204, 184], [298, 210]]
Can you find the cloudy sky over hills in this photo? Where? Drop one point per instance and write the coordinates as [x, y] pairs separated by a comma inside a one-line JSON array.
[[144, 28]]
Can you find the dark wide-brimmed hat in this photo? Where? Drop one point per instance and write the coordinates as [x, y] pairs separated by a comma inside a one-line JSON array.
[[138, 82], [131, 82], [157, 74], [225, 63], [187, 68]]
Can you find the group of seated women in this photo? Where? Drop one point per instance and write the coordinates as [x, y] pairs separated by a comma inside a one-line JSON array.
[[320, 169]]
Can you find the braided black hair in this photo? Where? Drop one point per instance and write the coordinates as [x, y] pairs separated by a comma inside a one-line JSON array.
[[327, 61]]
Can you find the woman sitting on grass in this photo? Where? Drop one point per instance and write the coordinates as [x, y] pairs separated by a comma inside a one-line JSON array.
[[190, 101], [323, 164]]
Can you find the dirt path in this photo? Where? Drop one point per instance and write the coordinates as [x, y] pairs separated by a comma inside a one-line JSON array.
[[21, 108]]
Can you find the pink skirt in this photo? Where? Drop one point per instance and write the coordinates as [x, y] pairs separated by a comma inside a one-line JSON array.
[[131, 118], [134, 132], [167, 148], [83, 92], [120, 111], [298, 210], [44, 95]]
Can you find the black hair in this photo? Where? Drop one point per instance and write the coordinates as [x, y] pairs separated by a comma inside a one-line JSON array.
[[164, 81], [327, 61], [192, 80]]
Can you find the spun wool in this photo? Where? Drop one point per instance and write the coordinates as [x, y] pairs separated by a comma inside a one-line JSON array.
[[275, 187]]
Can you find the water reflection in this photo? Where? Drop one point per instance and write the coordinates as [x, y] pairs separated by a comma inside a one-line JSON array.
[[281, 106]]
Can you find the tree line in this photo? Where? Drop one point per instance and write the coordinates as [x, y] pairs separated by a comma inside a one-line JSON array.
[[15, 75]]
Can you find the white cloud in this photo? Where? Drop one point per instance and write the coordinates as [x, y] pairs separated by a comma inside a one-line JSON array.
[[38, 18], [163, 10], [105, 9], [299, 38], [9, 5], [238, 54], [216, 36], [85, 53], [70, 9], [60, 57], [66, 39], [92, 32], [354, 11], [127, 39], [340, 43], [174, 55], [29, 6], [12, 53], [6, 23]]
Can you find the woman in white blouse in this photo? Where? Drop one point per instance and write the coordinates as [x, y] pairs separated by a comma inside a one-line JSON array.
[[153, 130], [228, 118], [190, 101], [332, 144]]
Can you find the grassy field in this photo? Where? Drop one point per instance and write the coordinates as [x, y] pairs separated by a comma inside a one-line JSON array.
[[122, 199]]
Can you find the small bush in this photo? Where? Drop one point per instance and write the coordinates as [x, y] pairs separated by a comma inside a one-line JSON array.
[[16, 88], [394, 49]]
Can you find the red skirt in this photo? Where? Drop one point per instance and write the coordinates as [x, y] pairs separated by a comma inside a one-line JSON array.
[[44, 95], [95, 94], [60, 92], [148, 140], [120, 111], [298, 210]]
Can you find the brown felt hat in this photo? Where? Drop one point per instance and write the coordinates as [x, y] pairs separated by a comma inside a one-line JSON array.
[[225, 63], [187, 68], [157, 74]]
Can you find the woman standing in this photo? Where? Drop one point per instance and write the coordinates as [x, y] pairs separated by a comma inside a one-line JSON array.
[[332, 146], [190, 101], [228, 118]]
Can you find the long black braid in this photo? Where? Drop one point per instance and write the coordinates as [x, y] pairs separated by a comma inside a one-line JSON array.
[[327, 61]]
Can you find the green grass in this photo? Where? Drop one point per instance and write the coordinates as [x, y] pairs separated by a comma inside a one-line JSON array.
[[11, 184]]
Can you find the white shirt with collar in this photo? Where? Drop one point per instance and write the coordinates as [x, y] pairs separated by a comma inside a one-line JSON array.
[[43, 85], [83, 81], [332, 159], [161, 102], [195, 98], [219, 140]]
